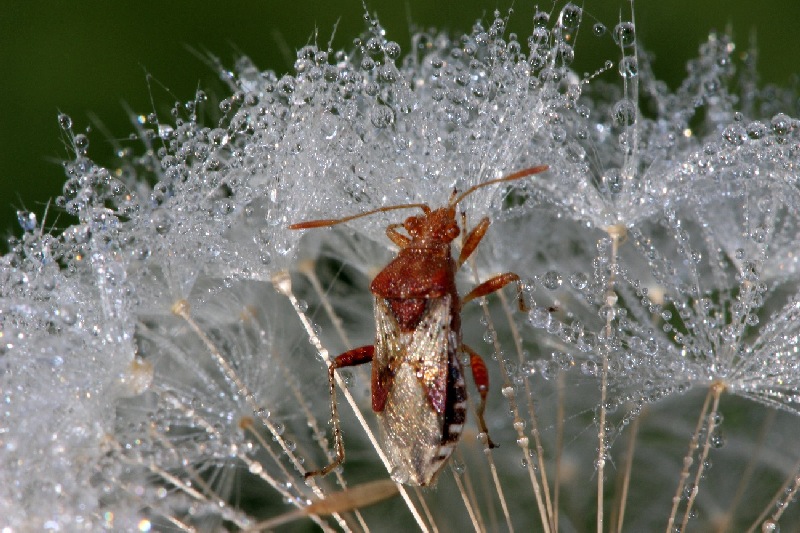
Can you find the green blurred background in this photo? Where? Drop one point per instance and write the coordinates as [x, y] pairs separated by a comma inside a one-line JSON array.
[[91, 59]]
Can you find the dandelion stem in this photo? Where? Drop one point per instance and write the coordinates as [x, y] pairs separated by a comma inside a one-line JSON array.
[[617, 234], [468, 504], [307, 269], [318, 436], [747, 475], [560, 388], [687, 462], [546, 509], [337, 502], [426, 510], [716, 389], [182, 310], [782, 495], [512, 406], [506, 385], [623, 494]]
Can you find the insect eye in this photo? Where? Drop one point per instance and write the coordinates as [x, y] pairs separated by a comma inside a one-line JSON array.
[[452, 232]]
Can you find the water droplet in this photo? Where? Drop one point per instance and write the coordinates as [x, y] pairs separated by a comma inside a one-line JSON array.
[[552, 280], [624, 113], [81, 143], [651, 347], [607, 312], [27, 220], [571, 16], [374, 46], [589, 368], [559, 134], [65, 121], [624, 34], [628, 67], [564, 54], [781, 124], [392, 50], [735, 134], [579, 280], [67, 314], [161, 221], [770, 526], [388, 74], [540, 19], [613, 181], [381, 117], [347, 377], [756, 129], [759, 235], [165, 131], [399, 475], [717, 440], [539, 317], [599, 29]]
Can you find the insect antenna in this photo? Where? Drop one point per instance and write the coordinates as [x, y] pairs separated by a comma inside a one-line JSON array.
[[511, 177], [334, 221]]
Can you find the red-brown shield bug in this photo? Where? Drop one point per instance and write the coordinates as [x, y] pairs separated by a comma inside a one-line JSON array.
[[418, 389]]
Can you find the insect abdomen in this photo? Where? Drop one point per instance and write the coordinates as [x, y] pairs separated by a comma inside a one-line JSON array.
[[456, 406], [423, 411]]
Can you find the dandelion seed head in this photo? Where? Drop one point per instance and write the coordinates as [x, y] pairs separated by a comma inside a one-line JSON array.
[[163, 357]]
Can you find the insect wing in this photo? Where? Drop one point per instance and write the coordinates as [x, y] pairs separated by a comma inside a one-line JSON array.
[[416, 363]]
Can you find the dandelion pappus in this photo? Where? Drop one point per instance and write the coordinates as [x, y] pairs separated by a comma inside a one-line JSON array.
[[418, 389]]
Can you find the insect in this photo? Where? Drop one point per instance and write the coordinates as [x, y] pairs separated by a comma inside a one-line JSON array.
[[418, 388]]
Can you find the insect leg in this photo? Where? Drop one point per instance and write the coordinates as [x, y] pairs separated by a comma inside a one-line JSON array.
[[481, 378], [398, 238], [495, 284], [353, 357], [472, 240]]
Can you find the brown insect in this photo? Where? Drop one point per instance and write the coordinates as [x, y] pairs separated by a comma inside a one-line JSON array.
[[418, 389]]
